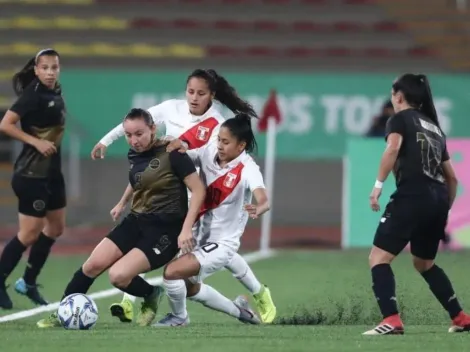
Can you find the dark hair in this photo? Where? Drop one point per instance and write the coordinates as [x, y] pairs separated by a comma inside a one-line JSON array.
[[417, 92], [24, 77], [137, 113], [224, 92], [240, 127]]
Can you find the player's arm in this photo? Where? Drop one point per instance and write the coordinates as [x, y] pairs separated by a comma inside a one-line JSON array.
[[394, 135], [450, 176], [121, 205], [255, 182], [185, 170], [8, 125]]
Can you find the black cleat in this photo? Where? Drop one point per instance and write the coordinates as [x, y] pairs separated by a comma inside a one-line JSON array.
[[5, 301], [30, 291]]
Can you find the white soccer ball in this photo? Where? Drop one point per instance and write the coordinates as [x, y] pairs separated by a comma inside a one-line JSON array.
[[77, 312]]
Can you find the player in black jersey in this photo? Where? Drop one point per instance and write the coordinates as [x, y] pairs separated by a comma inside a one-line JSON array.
[[417, 212], [37, 178], [158, 225]]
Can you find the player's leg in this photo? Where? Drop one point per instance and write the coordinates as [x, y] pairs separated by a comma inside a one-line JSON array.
[[32, 199], [390, 239], [261, 293], [120, 241], [124, 310], [424, 249]]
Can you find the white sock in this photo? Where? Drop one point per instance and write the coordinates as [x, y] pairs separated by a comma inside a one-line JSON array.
[[213, 299], [176, 292], [240, 269]]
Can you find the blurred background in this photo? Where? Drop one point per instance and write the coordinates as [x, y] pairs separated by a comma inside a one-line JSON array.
[[332, 63]]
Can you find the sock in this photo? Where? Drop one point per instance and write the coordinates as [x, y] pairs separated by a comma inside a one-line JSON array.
[[10, 258], [441, 287], [240, 269], [80, 283], [213, 299], [383, 284], [37, 258], [138, 287], [176, 292]]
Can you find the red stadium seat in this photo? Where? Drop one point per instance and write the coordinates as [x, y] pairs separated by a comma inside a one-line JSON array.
[[307, 26], [301, 52], [187, 23], [338, 52], [420, 52], [230, 24], [267, 25], [221, 50], [260, 51], [378, 52], [344, 26], [386, 26], [146, 23]]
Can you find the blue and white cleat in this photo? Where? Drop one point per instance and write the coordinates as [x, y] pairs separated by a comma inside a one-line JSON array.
[[247, 314], [172, 320], [30, 291]]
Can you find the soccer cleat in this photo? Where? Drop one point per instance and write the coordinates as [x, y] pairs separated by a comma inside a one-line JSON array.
[[30, 291], [5, 301], [52, 321], [461, 323], [389, 326], [247, 315], [149, 308], [124, 310], [265, 305], [172, 320]]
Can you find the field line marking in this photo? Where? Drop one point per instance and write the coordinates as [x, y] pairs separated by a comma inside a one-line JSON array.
[[250, 258]]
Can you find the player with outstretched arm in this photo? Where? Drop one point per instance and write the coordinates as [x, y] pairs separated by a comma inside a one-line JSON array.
[[232, 177], [196, 121]]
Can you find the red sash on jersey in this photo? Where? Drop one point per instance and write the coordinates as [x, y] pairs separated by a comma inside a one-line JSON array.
[[221, 188], [199, 134]]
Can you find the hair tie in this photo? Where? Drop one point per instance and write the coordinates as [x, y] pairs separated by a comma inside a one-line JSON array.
[[42, 52]]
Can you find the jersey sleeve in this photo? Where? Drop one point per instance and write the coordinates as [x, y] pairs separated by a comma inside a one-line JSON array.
[[181, 164], [395, 124], [253, 177], [26, 103], [116, 133]]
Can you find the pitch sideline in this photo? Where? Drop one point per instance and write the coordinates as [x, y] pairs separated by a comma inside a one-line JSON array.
[[250, 258]]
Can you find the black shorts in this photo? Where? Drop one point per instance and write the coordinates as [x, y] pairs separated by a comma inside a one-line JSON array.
[[158, 239], [37, 196], [418, 220]]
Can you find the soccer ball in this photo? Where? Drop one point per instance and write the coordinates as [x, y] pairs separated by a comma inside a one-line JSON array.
[[77, 312]]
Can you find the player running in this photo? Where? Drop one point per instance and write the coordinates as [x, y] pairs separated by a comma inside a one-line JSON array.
[[196, 121], [417, 211], [231, 177]]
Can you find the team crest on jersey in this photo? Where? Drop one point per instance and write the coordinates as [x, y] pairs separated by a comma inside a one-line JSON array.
[[154, 164], [202, 133], [229, 181]]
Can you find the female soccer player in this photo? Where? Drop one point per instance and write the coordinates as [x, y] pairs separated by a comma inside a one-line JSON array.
[[159, 222], [231, 177], [196, 121], [417, 211], [37, 180]]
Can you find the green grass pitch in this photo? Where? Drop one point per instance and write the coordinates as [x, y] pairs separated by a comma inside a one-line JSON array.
[[329, 290]]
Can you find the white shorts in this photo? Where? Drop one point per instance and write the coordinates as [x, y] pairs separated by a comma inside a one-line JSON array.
[[212, 257]]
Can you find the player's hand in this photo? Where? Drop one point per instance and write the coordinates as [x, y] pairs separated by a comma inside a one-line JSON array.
[[116, 212], [186, 241], [44, 147], [98, 152], [374, 198], [177, 144], [252, 210]]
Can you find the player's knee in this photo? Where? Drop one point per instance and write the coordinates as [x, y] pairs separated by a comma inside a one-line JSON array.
[[192, 289], [54, 230], [28, 237], [171, 272], [118, 278], [422, 265], [379, 256], [93, 267]]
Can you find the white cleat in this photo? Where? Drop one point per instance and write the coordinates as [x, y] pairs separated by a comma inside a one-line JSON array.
[[247, 314], [384, 329], [172, 320]]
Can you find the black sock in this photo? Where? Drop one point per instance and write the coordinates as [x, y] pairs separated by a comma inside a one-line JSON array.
[[441, 287], [37, 258], [383, 284], [10, 258], [80, 283], [139, 288]]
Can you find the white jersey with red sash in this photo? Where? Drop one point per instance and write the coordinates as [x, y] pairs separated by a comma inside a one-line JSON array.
[[229, 188]]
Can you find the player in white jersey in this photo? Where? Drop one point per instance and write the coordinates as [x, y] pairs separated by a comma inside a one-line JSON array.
[[195, 121], [231, 177]]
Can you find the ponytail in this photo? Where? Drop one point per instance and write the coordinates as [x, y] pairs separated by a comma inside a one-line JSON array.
[[427, 106], [23, 78], [240, 128], [224, 92]]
